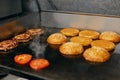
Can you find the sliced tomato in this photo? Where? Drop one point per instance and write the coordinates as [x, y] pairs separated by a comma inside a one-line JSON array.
[[39, 63], [22, 58]]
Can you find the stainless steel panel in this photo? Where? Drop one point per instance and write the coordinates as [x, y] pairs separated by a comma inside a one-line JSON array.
[[109, 7], [82, 21]]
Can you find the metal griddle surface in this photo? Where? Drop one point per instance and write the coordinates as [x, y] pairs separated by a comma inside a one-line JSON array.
[[62, 68]]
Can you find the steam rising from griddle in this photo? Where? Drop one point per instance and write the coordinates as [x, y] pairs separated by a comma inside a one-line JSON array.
[[37, 47]]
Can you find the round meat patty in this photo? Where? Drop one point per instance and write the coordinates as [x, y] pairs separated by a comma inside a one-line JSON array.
[[35, 31], [8, 44], [22, 37]]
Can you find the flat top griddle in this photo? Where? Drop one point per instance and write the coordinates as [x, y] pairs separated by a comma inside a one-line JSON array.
[[62, 68]]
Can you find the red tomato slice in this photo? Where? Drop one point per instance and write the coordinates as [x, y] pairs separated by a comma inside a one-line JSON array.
[[22, 58], [39, 63]]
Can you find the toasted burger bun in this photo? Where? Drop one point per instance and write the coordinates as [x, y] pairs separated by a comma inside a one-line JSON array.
[[110, 36], [22, 37], [96, 54], [104, 44], [56, 38], [89, 34], [71, 49], [70, 31], [81, 40]]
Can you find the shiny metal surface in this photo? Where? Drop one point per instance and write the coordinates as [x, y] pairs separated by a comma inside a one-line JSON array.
[[108, 7], [81, 21], [62, 68]]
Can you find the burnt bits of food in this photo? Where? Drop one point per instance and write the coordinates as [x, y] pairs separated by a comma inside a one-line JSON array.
[[104, 44]]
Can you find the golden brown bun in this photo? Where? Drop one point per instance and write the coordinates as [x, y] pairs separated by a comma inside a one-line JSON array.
[[81, 40], [104, 44], [8, 44], [110, 36], [96, 54], [71, 48], [89, 34], [22, 37], [56, 38], [70, 31], [35, 31]]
